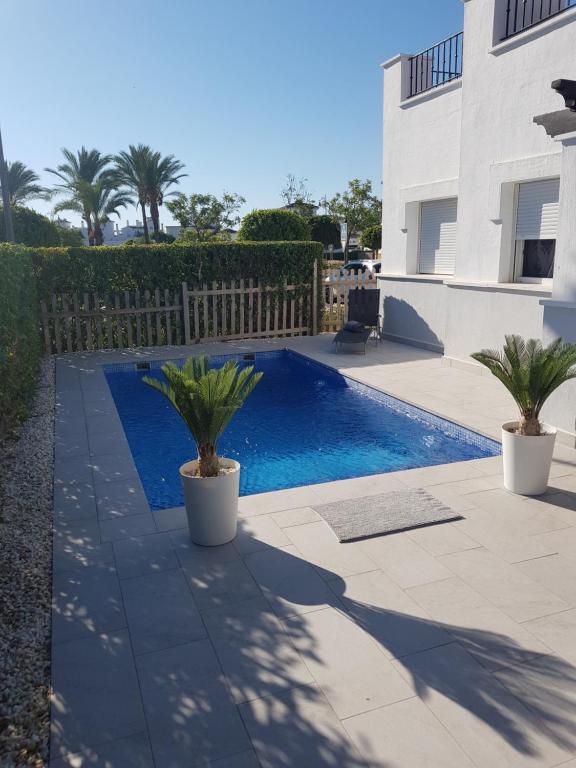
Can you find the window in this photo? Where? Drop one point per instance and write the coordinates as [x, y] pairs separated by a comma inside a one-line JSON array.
[[536, 228], [437, 246]]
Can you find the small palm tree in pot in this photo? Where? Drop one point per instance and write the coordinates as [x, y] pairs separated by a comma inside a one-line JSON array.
[[531, 373], [207, 399]]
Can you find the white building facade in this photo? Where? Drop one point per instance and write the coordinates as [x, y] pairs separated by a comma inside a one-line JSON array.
[[479, 202]]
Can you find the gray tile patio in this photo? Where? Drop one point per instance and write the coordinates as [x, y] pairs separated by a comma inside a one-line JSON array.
[[451, 646]]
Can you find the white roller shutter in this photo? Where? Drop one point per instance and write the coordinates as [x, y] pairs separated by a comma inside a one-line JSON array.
[[437, 250], [537, 216]]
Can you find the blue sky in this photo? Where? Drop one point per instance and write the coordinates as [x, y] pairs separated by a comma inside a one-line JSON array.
[[244, 92]]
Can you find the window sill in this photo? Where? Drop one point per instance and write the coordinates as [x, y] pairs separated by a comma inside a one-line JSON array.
[[528, 288], [534, 32], [415, 278]]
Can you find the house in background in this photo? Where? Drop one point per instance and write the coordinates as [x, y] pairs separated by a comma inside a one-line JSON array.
[[479, 203], [116, 235]]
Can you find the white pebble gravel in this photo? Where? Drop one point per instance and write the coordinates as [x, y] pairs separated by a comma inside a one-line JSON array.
[[26, 486]]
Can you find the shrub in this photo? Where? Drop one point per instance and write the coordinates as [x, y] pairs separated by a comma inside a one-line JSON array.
[[273, 225], [71, 236], [325, 230], [372, 238], [31, 228], [109, 269], [19, 334]]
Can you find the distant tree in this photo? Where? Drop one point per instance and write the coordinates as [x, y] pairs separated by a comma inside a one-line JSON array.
[[297, 197], [357, 208], [22, 184], [101, 199], [79, 169], [205, 217], [372, 238], [69, 236], [31, 228], [148, 175], [163, 173], [131, 169], [325, 230], [274, 224]]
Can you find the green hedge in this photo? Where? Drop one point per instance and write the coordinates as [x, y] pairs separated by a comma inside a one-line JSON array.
[[273, 224], [19, 334], [31, 228], [108, 269]]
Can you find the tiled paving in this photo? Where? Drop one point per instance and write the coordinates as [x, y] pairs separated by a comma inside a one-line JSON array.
[[446, 647]]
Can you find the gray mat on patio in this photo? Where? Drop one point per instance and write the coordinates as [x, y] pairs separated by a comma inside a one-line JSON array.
[[386, 513]]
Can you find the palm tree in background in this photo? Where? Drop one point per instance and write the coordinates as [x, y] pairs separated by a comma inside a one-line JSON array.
[[163, 173], [22, 184], [149, 176], [81, 168], [132, 170], [101, 199]]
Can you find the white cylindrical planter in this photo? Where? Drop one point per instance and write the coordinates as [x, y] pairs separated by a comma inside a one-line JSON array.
[[211, 503], [527, 459]]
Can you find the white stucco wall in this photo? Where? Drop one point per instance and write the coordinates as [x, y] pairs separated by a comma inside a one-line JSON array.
[[503, 88], [421, 149], [475, 139]]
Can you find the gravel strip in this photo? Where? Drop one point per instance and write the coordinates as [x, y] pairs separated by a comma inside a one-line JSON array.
[[26, 480]]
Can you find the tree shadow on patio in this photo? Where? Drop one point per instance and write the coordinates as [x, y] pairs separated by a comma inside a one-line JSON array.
[[511, 696]]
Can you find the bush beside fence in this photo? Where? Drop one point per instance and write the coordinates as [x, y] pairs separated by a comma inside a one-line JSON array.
[[148, 267], [19, 334]]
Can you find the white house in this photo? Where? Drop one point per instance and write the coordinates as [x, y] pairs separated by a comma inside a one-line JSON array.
[[116, 235], [479, 202]]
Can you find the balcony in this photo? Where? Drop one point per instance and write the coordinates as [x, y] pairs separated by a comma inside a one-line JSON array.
[[437, 65], [523, 14]]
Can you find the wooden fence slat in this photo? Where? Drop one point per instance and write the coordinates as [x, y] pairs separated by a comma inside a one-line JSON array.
[[129, 330], [167, 317], [259, 310], [267, 298], [250, 307], [88, 322], [119, 323], [178, 316], [284, 307], [158, 317], [233, 308], [138, 319], [149, 340], [214, 313]]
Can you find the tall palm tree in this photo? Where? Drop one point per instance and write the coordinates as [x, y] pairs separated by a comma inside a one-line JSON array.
[[163, 173], [84, 166], [132, 170], [22, 184], [101, 199], [148, 175]]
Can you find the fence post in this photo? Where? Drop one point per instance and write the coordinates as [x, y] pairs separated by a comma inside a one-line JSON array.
[[186, 314], [315, 299]]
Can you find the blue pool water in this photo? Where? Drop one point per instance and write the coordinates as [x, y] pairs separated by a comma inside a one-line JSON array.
[[303, 424]]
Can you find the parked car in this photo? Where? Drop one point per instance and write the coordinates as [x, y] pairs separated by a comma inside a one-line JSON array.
[[365, 270]]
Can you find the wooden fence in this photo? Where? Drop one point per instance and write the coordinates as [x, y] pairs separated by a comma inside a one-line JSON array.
[[335, 296], [240, 309]]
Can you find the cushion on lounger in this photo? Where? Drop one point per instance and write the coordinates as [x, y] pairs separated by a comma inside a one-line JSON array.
[[354, 326]]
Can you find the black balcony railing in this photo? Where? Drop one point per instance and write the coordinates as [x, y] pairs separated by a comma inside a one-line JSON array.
[[523, 14], [437, 65]]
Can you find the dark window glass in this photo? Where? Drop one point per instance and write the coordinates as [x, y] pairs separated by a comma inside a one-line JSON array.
[[538, 258]]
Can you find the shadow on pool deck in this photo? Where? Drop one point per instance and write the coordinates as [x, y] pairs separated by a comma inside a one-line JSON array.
[[240, 684]]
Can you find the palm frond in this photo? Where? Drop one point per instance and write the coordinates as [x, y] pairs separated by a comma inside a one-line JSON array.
[[529, 371], [206, 398]]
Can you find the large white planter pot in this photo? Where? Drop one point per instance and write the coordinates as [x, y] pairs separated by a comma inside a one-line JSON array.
[[211, 503], [527, 459]]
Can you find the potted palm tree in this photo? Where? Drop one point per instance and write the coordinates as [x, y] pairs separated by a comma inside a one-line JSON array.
[[530, 372], [207, 399]]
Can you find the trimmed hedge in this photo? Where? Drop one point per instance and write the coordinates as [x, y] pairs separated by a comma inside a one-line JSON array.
[[31, 228], [19, 334], [108, 269], [273, 224]]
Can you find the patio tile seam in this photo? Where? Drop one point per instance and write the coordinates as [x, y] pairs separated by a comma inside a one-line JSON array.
[[138, 682]]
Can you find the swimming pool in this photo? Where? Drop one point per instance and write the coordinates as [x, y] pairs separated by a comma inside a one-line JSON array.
[[304, 423]]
